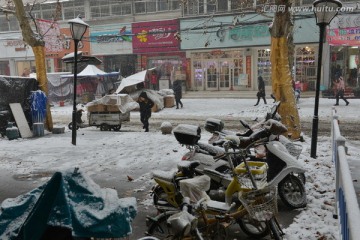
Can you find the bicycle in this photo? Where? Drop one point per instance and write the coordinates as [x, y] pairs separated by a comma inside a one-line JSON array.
[[219, 214]]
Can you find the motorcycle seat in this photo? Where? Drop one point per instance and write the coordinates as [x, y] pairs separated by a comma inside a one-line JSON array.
[[245, 141], [164, 175]]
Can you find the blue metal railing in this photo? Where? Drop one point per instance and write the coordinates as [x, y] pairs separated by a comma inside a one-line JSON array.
[[347, 209]]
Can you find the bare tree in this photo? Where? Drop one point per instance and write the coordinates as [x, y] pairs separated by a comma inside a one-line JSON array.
[[281, 63], [36, 42]]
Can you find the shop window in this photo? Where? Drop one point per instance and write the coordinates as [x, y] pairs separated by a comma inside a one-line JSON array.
[[264, 65], [305, 67]]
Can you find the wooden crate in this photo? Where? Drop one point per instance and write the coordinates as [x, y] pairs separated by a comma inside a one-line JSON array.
[[97, 108], [169, 101], [112, 108]]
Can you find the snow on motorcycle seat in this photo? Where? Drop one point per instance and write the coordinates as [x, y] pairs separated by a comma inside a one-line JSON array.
[[164, 175], [187, 134], [195, 188]]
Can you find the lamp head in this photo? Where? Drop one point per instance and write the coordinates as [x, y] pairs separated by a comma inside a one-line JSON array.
[[326, 10], [78, 28]]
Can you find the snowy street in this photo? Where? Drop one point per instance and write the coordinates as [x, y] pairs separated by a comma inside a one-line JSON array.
[[110, 158]]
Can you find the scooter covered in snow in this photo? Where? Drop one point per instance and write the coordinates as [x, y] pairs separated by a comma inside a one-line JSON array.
[[79, 122], [283, 167]]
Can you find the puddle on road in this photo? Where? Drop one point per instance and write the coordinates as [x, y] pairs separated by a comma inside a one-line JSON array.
[[33, 176]]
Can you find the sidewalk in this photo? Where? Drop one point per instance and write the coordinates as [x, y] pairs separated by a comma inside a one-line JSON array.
[[232, 94]]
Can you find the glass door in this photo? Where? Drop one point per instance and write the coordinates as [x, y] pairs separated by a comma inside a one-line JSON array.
[[198, 75], [224, 75], [212, 74]]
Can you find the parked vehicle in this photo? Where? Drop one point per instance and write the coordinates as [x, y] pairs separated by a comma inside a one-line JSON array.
[[284, 169], [223, 212], [106, 121]]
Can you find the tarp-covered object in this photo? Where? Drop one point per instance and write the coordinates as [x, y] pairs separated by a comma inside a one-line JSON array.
[[72, 200], [123, 101], [15, 90], [133, 80]]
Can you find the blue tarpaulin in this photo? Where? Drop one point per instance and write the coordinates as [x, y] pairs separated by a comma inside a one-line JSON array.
[[38, 106], [72, 200]]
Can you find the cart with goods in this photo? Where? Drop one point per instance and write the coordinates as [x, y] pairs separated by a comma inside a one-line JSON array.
[[109, 112]]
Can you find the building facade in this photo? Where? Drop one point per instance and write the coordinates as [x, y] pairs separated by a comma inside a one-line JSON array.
[[210, 45]]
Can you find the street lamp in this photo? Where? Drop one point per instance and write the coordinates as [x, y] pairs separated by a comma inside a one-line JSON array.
[[325, 11], [78, 28]]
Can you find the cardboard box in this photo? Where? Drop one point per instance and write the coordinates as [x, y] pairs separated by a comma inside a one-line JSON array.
[[169, 101], [97, 108], [112, 108], [155, 108]]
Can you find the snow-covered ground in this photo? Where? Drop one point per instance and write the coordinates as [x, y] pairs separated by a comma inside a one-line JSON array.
[[131, 152]]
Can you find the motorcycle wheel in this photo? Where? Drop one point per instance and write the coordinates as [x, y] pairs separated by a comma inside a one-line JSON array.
[[70, 126], [252, 227], [275, 229], [159, 227], [301, 176], [292, 192]]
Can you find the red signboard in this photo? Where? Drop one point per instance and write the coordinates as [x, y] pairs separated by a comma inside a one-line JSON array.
[[156, 36], [344, 36]]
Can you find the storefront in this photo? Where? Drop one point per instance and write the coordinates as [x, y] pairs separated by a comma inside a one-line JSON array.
[[158, 47], [220, 70], [344, 40], [227, 56], [112, 43], [17, 58]]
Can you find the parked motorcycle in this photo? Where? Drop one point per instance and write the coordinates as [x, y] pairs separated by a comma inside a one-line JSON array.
[[245, 177], [284, 169]]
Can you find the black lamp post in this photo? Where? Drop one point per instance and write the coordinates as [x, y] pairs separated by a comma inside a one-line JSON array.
[[325, 11], [78, 28]]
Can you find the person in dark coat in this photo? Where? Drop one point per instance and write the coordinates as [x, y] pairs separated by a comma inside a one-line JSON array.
[[261, 90], [145, 110], [178, 93]]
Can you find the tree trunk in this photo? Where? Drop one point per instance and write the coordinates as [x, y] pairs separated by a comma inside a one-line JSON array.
[[282, 83], [38, 45]]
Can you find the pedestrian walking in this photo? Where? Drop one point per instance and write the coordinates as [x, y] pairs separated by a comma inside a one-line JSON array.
[[339, 90], [178, 93], [145, 110], [261, 90], [154, 80]]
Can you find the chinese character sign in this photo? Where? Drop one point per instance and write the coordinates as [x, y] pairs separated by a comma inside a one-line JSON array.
[[156, 36], [344, 36]]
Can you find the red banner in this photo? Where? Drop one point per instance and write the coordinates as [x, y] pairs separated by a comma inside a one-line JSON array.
[[344, 36], [156, 36]]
